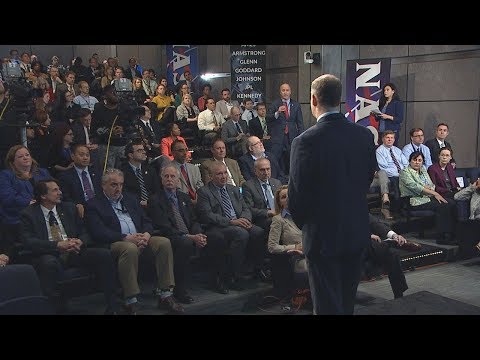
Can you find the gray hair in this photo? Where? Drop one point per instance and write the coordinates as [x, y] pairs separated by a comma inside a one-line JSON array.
[[109, 172], [170, 164]]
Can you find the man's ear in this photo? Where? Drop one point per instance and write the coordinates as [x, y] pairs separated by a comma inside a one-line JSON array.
[[314, 100]]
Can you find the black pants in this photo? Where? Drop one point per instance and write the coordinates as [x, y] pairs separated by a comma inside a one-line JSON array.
[[380, 254], [50, 269], [445, 214], [182, 250], [334, 282], [468, 236]]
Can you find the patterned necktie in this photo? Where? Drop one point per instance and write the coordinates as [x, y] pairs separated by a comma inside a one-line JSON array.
[[181, 226], [89, 193], [214, 119], [269, 197], [264, 126], [287, 115], [239, 129], [54, 227], [141, 182], [395, 161], [192, 193], [226, 204]]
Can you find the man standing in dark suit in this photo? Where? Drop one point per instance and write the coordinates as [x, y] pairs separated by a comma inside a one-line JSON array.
[[81, 182], [117, 221], [438, 143], [379, 253], [55, 234], [256, 150], [229, 225], [286, 126], [173, 215], [259, 194], [326, 197], [140, 178]]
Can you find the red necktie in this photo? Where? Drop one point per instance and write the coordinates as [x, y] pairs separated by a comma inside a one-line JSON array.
[[189, 186], [287, 115]]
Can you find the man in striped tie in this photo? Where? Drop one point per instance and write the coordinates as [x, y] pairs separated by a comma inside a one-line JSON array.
[[140, 178], [229, 227]]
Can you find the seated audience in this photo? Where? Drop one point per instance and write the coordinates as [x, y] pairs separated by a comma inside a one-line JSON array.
[[140, 178], [173, 134], [228, 220], [416, 144], [258, 193], [16, 192], [439, 142], [55, 234], [210, 122], [259, 126], [218, 150], [173, 215], [60, 155], [187, 117], [256, 150], [190, 179], [468, 232], [117, 221], [443, 174], [419, 188], [81, 182]]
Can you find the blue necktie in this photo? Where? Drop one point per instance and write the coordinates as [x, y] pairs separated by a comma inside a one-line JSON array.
[[227, 205], [269, 197]]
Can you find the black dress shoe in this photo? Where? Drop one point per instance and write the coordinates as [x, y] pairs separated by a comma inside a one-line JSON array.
[[235, 284], [183, 297], [221, 287]]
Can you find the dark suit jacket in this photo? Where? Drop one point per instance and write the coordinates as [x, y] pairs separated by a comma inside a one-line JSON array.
[[72, 187], [434, 147], [247, 167], [395, 108], [156, 136], [328, 182], [102, 221], [254, 198], [79, 133], [128, 73], [256, 128], [131, 184], [377, 227], [209, 205], [163, 218], [436, 174], [34, 231], [277, 126]]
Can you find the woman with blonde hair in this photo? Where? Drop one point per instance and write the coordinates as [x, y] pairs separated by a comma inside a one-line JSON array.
[[285, 238]]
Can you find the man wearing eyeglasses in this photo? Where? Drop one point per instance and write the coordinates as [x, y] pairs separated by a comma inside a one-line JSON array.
[[140, 177], [416, 144], [115, 219]]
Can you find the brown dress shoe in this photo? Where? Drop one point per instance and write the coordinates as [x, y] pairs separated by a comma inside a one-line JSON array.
[[170, 304]]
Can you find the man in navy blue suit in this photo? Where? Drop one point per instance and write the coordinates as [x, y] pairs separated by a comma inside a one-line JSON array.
[[81, 182], [285, 125], [331, 168]]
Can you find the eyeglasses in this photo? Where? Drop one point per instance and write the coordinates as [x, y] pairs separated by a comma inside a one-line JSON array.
[[420, 135]]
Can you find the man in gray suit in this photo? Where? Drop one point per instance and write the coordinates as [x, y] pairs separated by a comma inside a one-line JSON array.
[[326, 175], [235, 134], [259, 194], [229, 226], [225, 105], [190, 177]]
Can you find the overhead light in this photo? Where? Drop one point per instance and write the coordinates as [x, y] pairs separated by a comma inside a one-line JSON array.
[[208, 76]]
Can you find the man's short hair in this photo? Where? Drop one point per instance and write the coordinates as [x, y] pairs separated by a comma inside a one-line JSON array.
[[388, 132], [109, 172], [328, 90], [442, 124], [41, 188]]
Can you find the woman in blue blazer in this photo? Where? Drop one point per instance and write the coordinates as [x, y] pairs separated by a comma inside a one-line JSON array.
[[392, 111], [16, 191]]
